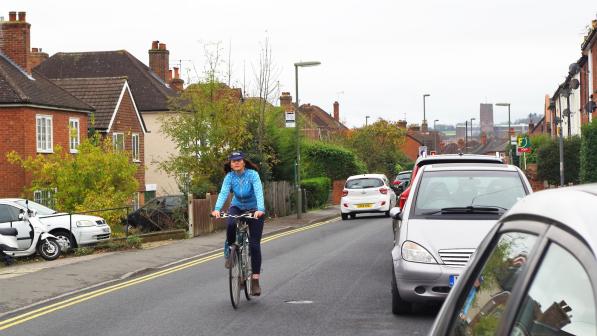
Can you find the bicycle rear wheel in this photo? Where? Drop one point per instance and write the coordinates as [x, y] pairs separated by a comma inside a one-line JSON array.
[[235, 278]]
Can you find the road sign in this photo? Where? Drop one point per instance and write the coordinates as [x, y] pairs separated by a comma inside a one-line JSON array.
[[290, 119], [523, 141], [523, 149]]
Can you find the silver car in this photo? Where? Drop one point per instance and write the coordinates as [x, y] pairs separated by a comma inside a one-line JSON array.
[[450, 209]]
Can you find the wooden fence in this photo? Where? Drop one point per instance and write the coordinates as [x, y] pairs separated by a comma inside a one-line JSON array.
[[277, 203]]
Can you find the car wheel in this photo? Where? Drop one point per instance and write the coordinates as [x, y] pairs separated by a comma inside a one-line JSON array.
[[387, 213], [65, 239], [344, 216], [353, 216], [399, 306]]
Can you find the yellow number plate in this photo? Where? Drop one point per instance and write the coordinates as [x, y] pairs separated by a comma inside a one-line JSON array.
[[366, 205]]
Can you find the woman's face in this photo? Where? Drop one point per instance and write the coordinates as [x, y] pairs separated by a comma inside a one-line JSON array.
[[237, 165]]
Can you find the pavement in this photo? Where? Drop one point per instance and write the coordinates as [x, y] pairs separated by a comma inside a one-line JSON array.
[[25, 285]]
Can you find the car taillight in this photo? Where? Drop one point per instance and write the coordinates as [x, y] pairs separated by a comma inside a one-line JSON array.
[[403, 198], [344, 193], [397, 182], [383, 191]]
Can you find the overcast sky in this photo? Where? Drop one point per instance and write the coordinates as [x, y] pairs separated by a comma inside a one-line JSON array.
[[378, 57]]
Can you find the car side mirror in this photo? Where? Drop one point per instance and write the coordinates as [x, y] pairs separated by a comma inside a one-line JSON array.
[[21, 216], [396, 213]]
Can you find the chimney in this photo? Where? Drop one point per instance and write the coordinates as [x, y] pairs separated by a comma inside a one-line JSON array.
[[286, 101], [594, 24], [176, 83], [36, 57], [159, 60], [15, 39], [337, 111], [169, 76], [402, 124], [484, 138]]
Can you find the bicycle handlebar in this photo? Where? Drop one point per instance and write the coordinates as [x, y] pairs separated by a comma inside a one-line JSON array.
[[250, 215]]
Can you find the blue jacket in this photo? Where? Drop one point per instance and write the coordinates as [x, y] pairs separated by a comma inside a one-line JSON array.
[[247, 190]]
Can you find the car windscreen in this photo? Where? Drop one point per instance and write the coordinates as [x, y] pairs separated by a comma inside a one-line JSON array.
[[464, 192], [403, 177], [41, 209], [364, 183]]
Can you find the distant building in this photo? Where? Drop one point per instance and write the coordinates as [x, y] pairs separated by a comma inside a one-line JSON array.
[[486, 118]]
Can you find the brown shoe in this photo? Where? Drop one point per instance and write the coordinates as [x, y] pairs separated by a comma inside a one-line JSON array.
[[230, 261], [255, 289]]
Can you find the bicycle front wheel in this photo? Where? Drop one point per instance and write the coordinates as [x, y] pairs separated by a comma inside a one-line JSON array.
[[247, 271], [235, 279]]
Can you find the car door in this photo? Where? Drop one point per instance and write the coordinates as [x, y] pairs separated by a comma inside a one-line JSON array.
[[9, 217]]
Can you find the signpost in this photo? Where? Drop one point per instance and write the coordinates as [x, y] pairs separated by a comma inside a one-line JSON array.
[[290, 118], [523, 145]]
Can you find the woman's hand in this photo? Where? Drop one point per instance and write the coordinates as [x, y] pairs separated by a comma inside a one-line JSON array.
[[259, 214], [215, 213]]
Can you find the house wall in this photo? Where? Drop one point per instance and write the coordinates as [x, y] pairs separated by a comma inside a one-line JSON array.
[[411, 148], [127, 122], [157, 148], [18, 133]]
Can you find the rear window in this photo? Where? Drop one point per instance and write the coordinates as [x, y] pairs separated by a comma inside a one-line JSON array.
[[403, 177], [364, 183]]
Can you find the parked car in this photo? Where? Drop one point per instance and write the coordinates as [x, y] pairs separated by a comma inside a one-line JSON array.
[[401, 181], [445, 158], [160, 213], [451, 208], [70, 230], [535, 273], [366, 193]]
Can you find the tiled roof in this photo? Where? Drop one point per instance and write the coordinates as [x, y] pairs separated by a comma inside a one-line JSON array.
[[492, 146], [101, 93], [149, 91], [18, 87], [320, 118]]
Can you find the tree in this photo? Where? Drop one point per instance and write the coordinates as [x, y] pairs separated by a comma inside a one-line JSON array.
[[588, 153], [97, 177], [378, 145]]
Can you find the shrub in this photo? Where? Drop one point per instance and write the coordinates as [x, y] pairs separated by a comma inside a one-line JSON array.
[[318, 191], [134, 241], [332, 161], [588, 153], [548, 161]]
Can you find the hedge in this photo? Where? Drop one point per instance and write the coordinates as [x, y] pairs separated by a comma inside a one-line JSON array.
[[548, 161], [318, 191], [335, 162], [588, 153]]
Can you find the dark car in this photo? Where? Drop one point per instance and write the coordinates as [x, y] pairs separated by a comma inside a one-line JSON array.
[[401, 181], [160, 213], [535, 273]]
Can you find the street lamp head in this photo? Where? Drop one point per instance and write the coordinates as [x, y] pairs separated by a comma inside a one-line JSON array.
[[473, 119], [436, 120], [426, 95], [503, 104], [306, 64]]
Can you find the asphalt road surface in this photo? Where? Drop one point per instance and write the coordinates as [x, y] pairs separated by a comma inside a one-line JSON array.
[[332, 279]]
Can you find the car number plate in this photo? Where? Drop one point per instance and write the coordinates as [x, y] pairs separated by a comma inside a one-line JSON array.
[[453, 279], [365, 205]]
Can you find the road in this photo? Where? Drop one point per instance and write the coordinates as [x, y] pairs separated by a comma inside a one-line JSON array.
[[332, 279]]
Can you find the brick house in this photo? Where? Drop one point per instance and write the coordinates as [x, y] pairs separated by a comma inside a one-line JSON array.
[[115, 117], [588, 72], [36, 115], [318, 124], [151, 89]]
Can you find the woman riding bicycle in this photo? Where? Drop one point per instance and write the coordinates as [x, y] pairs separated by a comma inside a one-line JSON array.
[[243, 180]]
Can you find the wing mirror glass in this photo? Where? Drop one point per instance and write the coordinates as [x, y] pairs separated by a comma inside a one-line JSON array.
[[396, 213]]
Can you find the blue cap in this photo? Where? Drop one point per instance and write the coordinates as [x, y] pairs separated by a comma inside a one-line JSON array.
[[236, 156]]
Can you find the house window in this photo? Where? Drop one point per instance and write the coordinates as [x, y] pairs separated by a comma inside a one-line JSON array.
[[74, 134], [136, 157], [118, 141], [44, 133], [45, 197], [135, 201]]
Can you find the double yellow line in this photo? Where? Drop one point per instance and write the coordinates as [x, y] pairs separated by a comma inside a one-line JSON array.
[[11, 322]]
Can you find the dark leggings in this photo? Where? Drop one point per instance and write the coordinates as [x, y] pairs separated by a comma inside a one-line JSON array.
[[255, 232]]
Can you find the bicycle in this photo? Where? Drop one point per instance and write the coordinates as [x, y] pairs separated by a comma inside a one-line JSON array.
[[240, 273]]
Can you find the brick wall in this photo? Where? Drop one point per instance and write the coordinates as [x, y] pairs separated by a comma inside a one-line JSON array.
[[127, 122], [411, 148], [15, 39], [159, 60], [18, 133], [337, 188]]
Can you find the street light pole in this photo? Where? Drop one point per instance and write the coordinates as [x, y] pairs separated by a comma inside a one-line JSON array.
[[366, 118], [299, 196], [424, 117], [561, 143], [465, 136], [472, 128], [435, 137], [509, 126]]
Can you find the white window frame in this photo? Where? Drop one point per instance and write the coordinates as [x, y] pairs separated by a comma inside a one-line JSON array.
[[135, 147], [45, 197], [44, 133], [74, 141], [115, 137], [135, 202]]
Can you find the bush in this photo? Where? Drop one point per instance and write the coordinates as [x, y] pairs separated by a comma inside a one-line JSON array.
[[548, 161], [318, 191], [588, 153], [332, 161]]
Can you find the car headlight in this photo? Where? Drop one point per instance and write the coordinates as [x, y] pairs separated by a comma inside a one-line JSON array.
[[85, 223], [416, 253]]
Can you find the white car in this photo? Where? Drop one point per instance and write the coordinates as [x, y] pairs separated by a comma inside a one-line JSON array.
[[367, 193], [71, 230]]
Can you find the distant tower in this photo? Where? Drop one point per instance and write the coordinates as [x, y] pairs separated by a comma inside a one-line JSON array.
[[486, 118]]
